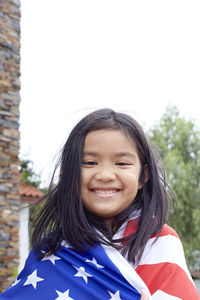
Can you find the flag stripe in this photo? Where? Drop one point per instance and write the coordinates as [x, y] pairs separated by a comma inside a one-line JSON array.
[[163, 267], [161, 295], [165, 278], [156, 252], [126, 269]]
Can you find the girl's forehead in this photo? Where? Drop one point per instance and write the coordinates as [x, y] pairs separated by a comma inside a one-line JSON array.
[[109, 139]]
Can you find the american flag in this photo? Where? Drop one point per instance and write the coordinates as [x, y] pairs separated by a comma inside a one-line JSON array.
[[163, 267], [99, 273]]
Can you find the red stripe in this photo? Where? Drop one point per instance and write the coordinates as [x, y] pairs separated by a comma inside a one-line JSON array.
[[169, 278], [133, 224], [166, 230]]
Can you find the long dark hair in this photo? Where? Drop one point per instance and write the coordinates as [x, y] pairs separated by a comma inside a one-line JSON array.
[[63, 216]]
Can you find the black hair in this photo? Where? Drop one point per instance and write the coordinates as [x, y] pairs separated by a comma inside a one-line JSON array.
[[63, 216]]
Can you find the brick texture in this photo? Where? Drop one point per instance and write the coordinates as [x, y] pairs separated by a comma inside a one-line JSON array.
[[9, 138]]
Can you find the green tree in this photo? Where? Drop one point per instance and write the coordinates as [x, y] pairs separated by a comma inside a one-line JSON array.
[[29, 177], [178, 141], [27, 174]]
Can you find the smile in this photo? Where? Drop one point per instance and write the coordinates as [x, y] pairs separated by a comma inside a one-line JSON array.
[[105, 192]]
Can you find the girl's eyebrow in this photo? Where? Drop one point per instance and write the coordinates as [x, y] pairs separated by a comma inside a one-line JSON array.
[[121, 154], [93, 153], [118, 154]]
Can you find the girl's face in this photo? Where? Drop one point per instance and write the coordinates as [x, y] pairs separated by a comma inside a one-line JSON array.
[[110, 173]]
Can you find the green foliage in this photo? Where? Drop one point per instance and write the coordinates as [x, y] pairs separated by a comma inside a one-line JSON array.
[[178, 140], [34, 211], [29, 177], [27, 174]]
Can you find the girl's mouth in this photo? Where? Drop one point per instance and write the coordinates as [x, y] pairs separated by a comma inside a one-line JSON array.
[[105, 192]]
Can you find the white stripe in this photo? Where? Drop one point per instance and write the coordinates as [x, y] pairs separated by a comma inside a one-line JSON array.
[[161, 295], [126, 269], [166, 249]]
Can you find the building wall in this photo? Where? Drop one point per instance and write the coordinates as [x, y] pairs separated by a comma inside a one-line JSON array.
[[23, 235], [9, 138]]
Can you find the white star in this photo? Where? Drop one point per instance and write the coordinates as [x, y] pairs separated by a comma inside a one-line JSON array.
[[114, 296], [63, 296], [51, 257], [95, 263], [82, 273], [15, 282], [33, 279]]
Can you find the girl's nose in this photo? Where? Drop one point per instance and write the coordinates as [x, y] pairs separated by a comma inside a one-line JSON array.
[[105, 174]]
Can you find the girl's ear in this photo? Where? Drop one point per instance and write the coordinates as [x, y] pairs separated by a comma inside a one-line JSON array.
[[146, 176]]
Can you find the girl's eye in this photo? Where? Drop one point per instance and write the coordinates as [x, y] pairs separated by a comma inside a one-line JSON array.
[[122, 164], [89, 163]]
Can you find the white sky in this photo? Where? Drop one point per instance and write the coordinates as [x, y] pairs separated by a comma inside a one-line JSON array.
[[77, 56]]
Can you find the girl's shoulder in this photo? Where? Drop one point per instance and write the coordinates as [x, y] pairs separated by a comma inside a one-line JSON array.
[[164, 247], [166, 230], [163, 267]]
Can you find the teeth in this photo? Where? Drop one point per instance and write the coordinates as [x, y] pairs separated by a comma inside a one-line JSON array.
[[105, 192]]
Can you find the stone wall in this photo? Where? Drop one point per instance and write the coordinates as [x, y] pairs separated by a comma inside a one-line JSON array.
[[9, 138]]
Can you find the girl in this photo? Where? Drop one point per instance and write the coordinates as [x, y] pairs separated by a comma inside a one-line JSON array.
[[101, 233]]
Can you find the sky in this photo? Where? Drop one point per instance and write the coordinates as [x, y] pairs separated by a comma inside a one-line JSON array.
[[135, 57]]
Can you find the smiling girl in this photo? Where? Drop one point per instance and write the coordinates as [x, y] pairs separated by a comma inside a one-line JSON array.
[[101, 233], [110, 173]]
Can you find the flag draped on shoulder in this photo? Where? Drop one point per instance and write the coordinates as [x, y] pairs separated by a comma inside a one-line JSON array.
[[163, 267], [99, 273]]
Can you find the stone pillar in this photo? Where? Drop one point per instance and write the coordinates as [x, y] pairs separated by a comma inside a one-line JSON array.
[[9, 139]]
